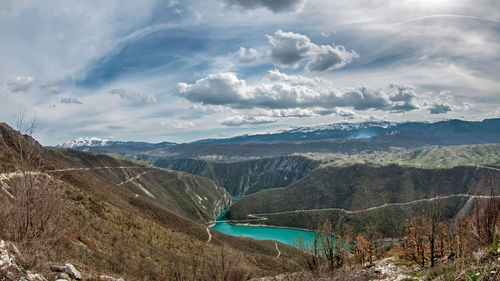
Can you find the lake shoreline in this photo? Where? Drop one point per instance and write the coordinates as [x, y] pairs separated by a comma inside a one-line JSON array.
[[270, 226]]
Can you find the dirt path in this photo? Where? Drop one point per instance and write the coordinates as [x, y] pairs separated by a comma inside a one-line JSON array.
[[134, 178], [486, 167], [7, 176], [209, 235], [262, 216], [277, 249]]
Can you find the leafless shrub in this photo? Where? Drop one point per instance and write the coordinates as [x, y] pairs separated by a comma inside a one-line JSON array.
[[31, 211]]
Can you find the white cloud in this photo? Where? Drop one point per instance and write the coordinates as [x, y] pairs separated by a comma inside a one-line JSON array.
[[291, 49], [20, 83], [54, 89], [246, 120], [67, 100], [276, 6], [134, 96], [184, 125], [282, 91], [247, 55]]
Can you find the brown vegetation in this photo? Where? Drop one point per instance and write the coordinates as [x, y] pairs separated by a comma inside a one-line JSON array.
[[110, 230]]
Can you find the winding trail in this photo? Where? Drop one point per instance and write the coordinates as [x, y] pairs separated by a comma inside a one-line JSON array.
[[277, 249], [134, 178], [259, 216], [209, 235], [11, 175], [262, 216], [486, 167]]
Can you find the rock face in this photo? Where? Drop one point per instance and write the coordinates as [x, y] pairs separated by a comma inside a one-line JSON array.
[[10, 270], [245, 177]]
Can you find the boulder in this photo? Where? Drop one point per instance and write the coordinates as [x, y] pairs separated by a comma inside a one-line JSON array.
[[73, 272]]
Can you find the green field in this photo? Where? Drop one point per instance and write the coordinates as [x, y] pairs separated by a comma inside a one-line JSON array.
[[429, 157]]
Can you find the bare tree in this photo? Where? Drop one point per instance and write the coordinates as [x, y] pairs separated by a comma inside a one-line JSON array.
[[32, 215]]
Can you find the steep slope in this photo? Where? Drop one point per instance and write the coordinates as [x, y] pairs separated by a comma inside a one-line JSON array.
[[245, 177], [362, 195], [116, 228], [190, 196]]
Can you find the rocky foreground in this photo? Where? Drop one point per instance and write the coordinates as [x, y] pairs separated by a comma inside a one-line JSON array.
[[11, 269]]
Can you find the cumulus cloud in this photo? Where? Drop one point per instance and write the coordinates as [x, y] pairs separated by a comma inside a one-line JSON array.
[[247, 55], [276, 6], [439, 108], [133, 96], [70, 101], [279, 95], [285, 92], [291, 49], [246, 120], [20, 83], [403, 97]]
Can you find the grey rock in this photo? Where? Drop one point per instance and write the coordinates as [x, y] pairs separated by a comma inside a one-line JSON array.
[[73, 272], [58, 268], [109, 278], [63, 276]]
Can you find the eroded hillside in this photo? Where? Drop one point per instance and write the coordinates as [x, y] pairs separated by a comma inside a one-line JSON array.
[[245, 177], [363, 195], [109, 224]]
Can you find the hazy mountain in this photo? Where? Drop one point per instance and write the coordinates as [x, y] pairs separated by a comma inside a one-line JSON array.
[[369, 129], [334, 138]]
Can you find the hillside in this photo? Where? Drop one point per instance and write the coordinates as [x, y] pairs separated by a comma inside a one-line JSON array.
[[245, 177], [362, 195], [194, 197], [113, 222]]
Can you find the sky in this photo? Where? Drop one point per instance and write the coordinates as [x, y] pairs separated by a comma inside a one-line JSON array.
[[186, 70]]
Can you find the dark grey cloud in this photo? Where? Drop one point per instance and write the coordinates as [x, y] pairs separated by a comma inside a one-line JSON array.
[[276, 6], [440, 108], [328, 57], [403, 97], [133, 96], [67, 100], [282, 91], [20, 83], [291, 49], [404, 93]]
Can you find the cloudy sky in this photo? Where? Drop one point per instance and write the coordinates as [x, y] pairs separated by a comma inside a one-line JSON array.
[[185, 70]]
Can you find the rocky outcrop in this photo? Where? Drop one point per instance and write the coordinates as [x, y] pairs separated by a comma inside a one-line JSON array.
[[68, 270], [245, 177], [10, 269]]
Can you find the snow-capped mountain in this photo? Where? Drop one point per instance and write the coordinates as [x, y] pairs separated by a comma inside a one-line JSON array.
[[88, 141], [101, 145]]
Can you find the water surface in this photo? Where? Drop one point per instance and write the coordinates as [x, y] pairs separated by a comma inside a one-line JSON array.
[[283, 235]]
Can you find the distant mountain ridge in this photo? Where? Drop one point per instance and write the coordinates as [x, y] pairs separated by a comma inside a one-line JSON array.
[[363, 130], [100, 145], [335, 131]]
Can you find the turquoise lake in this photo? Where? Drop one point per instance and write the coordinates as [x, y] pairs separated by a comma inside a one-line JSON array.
[[283, 235]]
